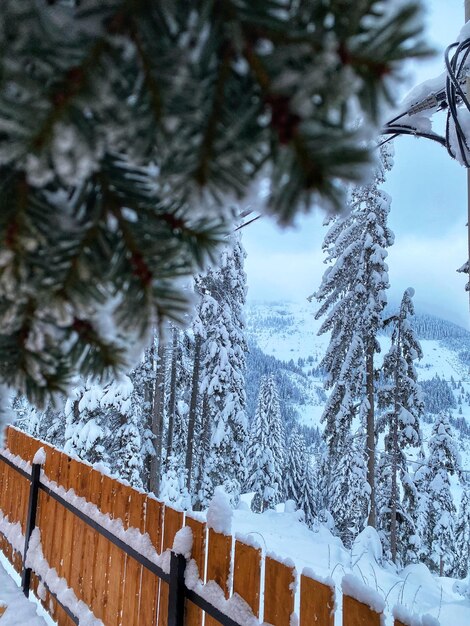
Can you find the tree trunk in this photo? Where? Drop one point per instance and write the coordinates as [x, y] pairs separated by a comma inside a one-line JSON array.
[[370, 432], [394, 492], [149, 390], [204, 449], [193, 410], [157, 420], [172, 401], [395, 452]]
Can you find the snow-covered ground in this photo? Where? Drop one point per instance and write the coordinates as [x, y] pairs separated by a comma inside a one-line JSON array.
[[415, 587], [20, 611]]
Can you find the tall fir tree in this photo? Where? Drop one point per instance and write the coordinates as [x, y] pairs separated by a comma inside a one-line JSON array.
[[122, 409], [266, 450], [349, 489], [294, 470], [86, 428], [223, 373], [401, 400], [353, 296], [308, 501], [439, 507], [462, 538]]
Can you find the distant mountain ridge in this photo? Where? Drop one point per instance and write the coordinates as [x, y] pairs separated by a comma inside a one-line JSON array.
[[283, 339], [432, 327]]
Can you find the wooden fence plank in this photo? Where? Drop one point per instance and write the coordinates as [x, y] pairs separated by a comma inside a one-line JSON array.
[[193, 613], [3, 490], [73, 544], [278, 593], [172, 522], [247, 574], [50, 540], [317, 603], [90, 542], [150, 583], [130, 614], [218, 564], [11, 439], [117, 560], [103, 550], [356, 613]]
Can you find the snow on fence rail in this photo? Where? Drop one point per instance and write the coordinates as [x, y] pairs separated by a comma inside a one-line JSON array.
[[103, 553]]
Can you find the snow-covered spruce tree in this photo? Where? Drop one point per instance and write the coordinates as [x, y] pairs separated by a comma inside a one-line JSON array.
[[183, 397], [196, 455], [439, 523], [126, 114], [27, 417], [308, 493], [86, 428], [173, 488], [143, 380], [349, 489], [223, 373], [266, 450], [122, 408], [296, 452], [402, 404], [462, 538], [352, 297]]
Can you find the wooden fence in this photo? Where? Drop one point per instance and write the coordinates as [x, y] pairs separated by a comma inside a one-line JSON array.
[[119, 581]]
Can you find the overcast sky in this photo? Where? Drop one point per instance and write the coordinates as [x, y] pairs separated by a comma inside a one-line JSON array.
[[428, 216]]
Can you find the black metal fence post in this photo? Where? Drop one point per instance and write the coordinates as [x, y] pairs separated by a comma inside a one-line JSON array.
[[30, 524], [176, 595]]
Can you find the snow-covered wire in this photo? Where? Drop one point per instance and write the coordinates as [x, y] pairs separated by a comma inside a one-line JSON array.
[[452, 97]]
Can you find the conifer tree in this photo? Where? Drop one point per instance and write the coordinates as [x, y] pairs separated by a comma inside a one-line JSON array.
[[86, 430], [308, 491], [462, 538], [400, 396], [223, 373], [294, 469], [349, 490], [126, 115], [122, 409], [443, 461], [266, 450], [173, 489], [353, 296]]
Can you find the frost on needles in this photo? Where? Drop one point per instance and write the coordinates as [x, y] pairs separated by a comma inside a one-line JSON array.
[[126, 126]]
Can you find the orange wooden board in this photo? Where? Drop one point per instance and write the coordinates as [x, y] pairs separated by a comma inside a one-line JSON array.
[[50, 541], [117, 560], [101, 571], [278, 593], [247, 574], [218, 564], [317, 603], [130, 610], [71, 475], [193, 613], [358, 614], [172, 522], [150, 583], [90, 556]]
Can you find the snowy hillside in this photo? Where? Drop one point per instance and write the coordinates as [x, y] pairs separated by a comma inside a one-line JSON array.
[[288, 331]]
